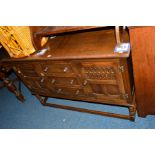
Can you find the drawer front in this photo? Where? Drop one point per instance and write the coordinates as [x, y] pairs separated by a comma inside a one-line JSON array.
[[27, 69], [37, 84], [103, 79], [56, 67], [76, 92], [68, 81]]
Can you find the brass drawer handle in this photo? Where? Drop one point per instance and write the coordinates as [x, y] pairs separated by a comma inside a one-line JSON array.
[[66, 69], [46, 69], [42, 80], [42, 74], [72, 81], [85, 82], [19, 72], [59, 90], [53, 81], [77, 92]]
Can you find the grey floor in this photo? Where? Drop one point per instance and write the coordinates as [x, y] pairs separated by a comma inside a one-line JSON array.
[[31, 114]]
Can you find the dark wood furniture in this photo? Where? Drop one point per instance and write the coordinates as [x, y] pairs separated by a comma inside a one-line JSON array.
[[80, 66], [143, 57], [4, 78]]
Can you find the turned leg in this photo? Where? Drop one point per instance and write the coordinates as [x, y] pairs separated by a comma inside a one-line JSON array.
[[132, 113], [11, 87]]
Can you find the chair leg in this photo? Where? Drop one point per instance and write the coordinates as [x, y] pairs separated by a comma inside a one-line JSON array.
[[11, 86]]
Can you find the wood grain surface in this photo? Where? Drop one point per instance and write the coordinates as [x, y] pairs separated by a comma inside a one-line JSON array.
[[143, 57]]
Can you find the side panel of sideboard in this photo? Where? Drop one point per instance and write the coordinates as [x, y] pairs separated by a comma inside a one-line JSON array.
[[143, 58]]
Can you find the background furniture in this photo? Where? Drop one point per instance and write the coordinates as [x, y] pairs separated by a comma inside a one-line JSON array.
[[80, 66], [6, 81], [16, 40], [143, 56]]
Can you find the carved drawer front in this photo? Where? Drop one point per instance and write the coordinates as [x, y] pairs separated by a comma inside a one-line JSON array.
[[27, 69], [68, 91], [103, 79], [59, 67], [69, 81]]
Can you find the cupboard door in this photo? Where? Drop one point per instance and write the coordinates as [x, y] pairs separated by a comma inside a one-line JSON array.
[[64, 81], [103, 79], [67, 91]]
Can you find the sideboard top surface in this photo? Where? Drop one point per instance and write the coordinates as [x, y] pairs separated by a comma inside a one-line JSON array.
[[91, 44]]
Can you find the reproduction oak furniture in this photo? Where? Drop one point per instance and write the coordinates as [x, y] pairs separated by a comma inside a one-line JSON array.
[[79, 66], [143, 56]]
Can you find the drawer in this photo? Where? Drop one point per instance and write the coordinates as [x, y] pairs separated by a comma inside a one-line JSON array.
[[68, 91], [69, 81], [28, 69], [36, 84], [50, 68]]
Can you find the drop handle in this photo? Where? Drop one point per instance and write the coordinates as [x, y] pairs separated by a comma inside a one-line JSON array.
[[46, 69], [72, 81], [53, 81], [42, 80], [42, 74], [19, 72], [77, 92], [85, 82], [59, 90], [66, 69]]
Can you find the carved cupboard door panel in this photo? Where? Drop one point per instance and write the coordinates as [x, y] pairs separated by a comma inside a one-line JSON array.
[[103, 79]]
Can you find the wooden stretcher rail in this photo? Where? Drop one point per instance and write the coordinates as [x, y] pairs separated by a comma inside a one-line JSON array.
[[43, 101]]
